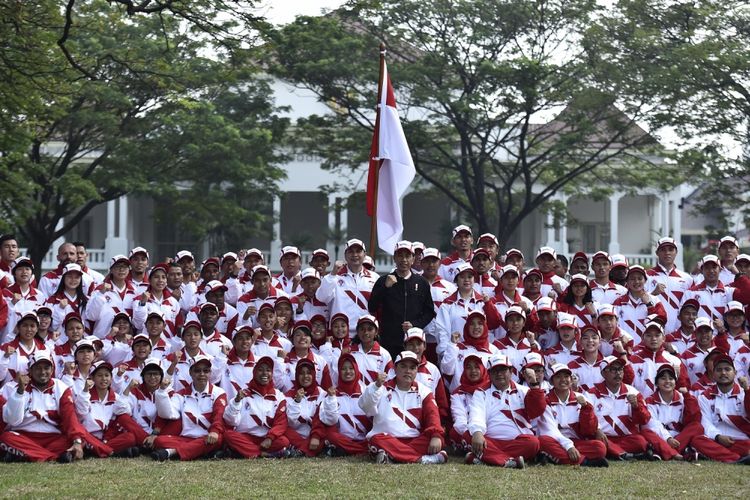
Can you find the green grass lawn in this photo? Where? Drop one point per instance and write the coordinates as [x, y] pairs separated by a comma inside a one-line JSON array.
[[347, 478]]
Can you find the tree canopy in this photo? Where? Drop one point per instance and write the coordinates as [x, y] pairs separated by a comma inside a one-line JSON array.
[[151, 106], [500, 101]]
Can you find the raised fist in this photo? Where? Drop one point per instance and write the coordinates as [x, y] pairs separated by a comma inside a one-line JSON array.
[[581, 400], [144, 297], [89, 384], [743, 382], [455, 337], [633, 400], [299, 395], [301, 300], [177, 357], [331, 391], [390, 280], [177, 293], [121, 370], [618, 347], [70, 368], [337, 266], [529, 376], [130, 386], [16, 297], [382, 376], [660, 289], [22, 379], [63, 303], [9, 351]]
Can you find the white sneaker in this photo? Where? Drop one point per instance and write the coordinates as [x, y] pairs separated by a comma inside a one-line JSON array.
[[515, 463], [436, 459]]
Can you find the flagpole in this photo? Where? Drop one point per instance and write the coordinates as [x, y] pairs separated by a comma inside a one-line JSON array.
[[374, 218]]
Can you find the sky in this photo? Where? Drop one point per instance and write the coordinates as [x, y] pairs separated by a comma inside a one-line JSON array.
[[284, 11]]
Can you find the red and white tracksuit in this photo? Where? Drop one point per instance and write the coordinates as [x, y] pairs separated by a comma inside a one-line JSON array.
[[168, 306], [18, 362], [713, 301], [680, 340], [302, 421], [677, 283], [502, 303], [505, 419], [372, 362], [646, 363], [679, 419], [452, 362], [251, 299], [692, 358], [724, 414], [565, 425], [633, 313], [448, 265], [516, 351], [404, 422], [228, 319], [451, 316], [200, 413], [322, 373], [254, 419], [40, 424], [607, 346], [28, 301], [606, 294], [181, 378], [311, 307], [105, 304], [619, 420], [440, 290], [346, 424], [237, 373], [107, 421], [347, 292]]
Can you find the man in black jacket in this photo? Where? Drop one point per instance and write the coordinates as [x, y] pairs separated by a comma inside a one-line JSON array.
[[401, 300]]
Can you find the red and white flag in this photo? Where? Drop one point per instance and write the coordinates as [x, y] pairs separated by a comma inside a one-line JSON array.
[[396, 172]]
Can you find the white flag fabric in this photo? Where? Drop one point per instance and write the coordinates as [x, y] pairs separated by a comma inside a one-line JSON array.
[[396, 172]]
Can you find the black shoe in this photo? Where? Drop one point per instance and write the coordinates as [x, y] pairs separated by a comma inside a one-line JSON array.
[[744, 460], [595, 462], [626, 457], [126, 453], [542, 458], [65, 457], [10, 458], [222, 455], [161, 455]]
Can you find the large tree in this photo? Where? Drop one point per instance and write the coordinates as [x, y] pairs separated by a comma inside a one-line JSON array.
[[693, 58], [499, 101], [134, 104]]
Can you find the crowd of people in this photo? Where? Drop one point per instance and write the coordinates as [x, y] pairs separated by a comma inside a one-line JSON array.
[[474, 354]]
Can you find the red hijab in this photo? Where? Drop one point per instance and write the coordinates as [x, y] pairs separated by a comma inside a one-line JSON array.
[[481, 343], [263, 390], [353, 387], [312, 390], [468, 386]]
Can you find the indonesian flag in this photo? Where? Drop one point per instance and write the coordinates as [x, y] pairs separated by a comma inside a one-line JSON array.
[[396, 171]]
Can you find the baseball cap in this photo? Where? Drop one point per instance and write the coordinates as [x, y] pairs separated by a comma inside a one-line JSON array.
[[533, 272], [580, 256], [101, 364], [22, 262], [431, 253], [600, 255], [498, 360], [461, 228], [665, 242], [303, 325], [637, 269], [729, 239], [368, 318], [618, 260], [200, 358], [509, 268], [533, 359], [665, 367], [184, 254], [72, 316], [417, 245], [289, 250], [403, 245], [354, 242], [406, 356], [709, 258], [215, 286], [193, 323], [462, 268], [29, 315], [546, 251], [691, 303], [558, 368], [609, 361], [546, 304], [211, 261], [414, 333], [72, 268], [141, 337], [261, 268], [606, 310], [719, 358], [243, 329], [743, 256], [579, 278], [254, 251], [84, 342], [488, 236], [207, 305], [368, 263], [264, 306], [40, 356], [309, 272], [512, 252], [565, 319], [152, 362], [155, 313], [44, 309], [138, 250], [117, 259], [703, 321], [480, 251], [162, 266], [733, 305], [514, 309], [654, 324], [227, 256], [320, 252]]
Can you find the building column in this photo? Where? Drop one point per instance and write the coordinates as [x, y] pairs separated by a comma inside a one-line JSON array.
[[665, 215], [116, 242], [677, 228], [276, 240], [550, 230], [614, 223]]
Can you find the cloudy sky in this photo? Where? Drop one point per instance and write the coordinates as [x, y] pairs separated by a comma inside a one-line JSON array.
[[284, 11]]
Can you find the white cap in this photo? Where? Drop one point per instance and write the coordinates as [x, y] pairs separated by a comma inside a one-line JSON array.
[[653, 324], [261, 268], [703, 321], [368, 318], [459, 229], [406, 355], [513, 251], [403, 245], [289, 250], [22, 260], [320, 252], [609, 361], [184, 254], [155, 312], [499, 360], [119, 258], [578, 277], [29, 314], [152, 362], [742, 256], [200, 358], [729, 239], [546, 251], [431, 252], [533, 359], [254, 251], [606, 310], [546, 304], [39, 356], [228, 255], [309, 272], [565, 319], [559, 367], [463, 267], [488, 236], [618, 259], [733, 305], [138, 250], [417, 245], [355, 242], [72, 267], [84, 342], [510, 268], [214, 285], [666, 241], [414, 333], [709, 258], [601, 255], [514, 309]]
